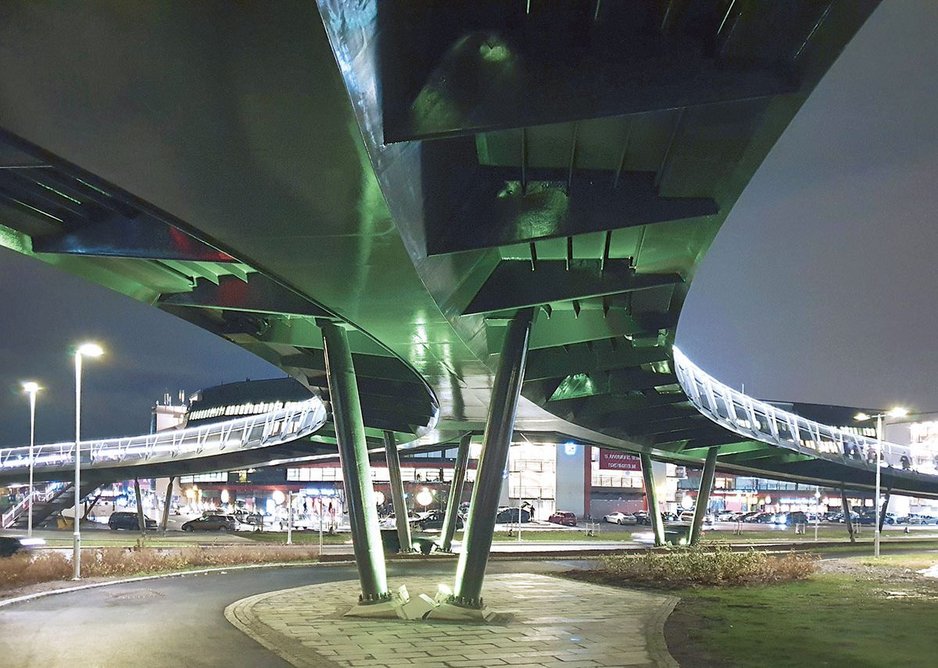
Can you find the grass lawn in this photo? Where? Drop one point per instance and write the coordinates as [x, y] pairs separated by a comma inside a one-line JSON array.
[[299, 537], [855, 612]]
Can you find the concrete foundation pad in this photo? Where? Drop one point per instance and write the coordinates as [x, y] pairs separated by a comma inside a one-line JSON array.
[[554, 623], [453, 613]]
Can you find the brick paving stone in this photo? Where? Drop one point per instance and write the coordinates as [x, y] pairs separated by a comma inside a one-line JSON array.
[[553, 623]]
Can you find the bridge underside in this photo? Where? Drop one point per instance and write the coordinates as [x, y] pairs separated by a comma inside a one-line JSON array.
[[477, 199]]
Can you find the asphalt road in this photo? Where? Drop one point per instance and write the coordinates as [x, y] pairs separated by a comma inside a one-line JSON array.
[[174, 621]]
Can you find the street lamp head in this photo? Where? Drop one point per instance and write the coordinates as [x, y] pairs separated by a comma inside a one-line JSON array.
[[31, 387], [897, 412], [861, 417], [90, 350]]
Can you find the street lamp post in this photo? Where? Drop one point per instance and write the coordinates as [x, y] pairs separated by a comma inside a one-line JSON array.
[[31, 389], [860, 417], [84, 350]]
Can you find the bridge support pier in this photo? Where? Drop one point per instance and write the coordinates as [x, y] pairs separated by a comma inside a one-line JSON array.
[[846, 508], [141, 522], [480, 525], [882, 511], [353, 457], [703, 494], [455, 492], [397, 492], [168, 500], [651, 493]]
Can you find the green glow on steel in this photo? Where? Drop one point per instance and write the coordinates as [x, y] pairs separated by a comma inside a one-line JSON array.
[[59, 193], [93, 187], [39, 211], [14, 240], [573, 387]]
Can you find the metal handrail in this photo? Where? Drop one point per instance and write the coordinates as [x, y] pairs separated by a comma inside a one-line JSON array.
[[294, 421], [764, 422]]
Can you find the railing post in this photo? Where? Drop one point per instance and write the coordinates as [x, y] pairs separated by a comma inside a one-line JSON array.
[[455, 492], [353, 457]]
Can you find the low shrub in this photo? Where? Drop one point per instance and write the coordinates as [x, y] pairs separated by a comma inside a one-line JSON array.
[[26, 569], [706, 565], [31, 568]]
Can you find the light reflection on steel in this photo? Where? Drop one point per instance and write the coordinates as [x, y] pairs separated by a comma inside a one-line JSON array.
[[764, 422]]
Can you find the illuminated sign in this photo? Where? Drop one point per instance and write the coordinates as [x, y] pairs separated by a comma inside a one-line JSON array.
[[613, 460]]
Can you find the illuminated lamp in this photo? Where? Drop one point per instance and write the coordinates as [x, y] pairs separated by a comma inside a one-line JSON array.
[[424, 497]]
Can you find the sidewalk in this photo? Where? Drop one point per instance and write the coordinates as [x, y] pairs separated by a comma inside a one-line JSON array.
[[547, 622]]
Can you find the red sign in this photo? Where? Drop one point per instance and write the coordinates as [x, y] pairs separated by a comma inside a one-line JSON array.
[[614, 460]]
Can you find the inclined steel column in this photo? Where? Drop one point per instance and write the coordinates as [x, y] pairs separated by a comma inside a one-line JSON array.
[[141, 522], [703, 494], [651, 493], [455, 492], [480, 525], [166, 503], [353, 456], [401, 519], [882, 511], [846, 508]]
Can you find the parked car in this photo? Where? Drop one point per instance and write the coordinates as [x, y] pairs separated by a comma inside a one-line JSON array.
[[642, 517], [128, 520], [392, 543], [509, 515], [390, 521], [10, 545], [435, 519], [620, 518], [212, 523], [564, 517], [245, 517]]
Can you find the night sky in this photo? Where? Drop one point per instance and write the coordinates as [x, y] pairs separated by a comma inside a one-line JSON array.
[[821, 286], [47, 311]]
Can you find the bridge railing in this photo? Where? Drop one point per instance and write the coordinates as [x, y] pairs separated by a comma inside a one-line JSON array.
[[764, 422], [294, 421]]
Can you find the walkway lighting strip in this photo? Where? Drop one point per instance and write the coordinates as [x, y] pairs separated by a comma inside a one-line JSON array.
[[293, 421], [763, 422]]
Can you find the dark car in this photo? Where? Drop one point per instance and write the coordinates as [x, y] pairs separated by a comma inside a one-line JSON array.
[[435, 519], [127, 520], [10, 545], [211, 523], [642, 517], [564, 517], [392, 544], [508, 515]]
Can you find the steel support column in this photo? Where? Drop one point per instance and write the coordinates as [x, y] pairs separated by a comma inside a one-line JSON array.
[[480, 525], [651, 493], [166, 502], [703, 494], [455, 492], [401, 519], [353, 456], [846, 508], [141, 522], [882, 510]]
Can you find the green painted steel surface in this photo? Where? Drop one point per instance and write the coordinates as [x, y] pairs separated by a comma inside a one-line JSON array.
[[420, 171]]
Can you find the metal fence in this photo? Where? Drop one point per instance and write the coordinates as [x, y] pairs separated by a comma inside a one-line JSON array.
[[764, 422], [294, 421]]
